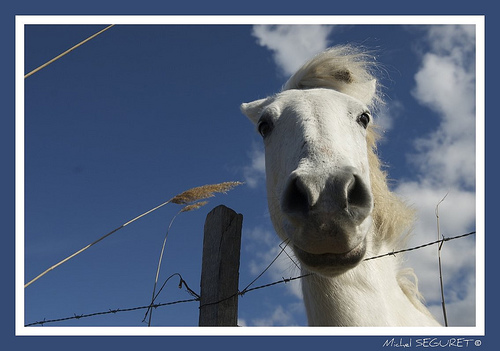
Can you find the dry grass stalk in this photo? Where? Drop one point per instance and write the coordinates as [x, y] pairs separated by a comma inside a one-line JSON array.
[[187, 208], [194, 206], [186, 197], [67, 51], [443, 303], [203, 192]]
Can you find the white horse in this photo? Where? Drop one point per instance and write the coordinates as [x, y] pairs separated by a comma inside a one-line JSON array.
[[328, 197]]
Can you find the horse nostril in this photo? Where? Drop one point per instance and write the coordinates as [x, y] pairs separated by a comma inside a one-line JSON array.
[[357, 194], [344, 195], [358, 198], [296, 198]]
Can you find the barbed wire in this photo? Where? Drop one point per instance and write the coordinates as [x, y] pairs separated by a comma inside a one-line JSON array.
[[269, 265], [181, 282], [110, 312], [246, 290], [393, 253]]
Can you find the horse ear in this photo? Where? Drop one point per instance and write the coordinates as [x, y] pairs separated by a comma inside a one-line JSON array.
[[253, 109]]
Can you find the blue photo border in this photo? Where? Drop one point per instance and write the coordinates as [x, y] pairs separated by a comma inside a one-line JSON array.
[[92, 7]]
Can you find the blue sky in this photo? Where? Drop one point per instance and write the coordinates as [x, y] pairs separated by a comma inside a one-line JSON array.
[[144, 112]]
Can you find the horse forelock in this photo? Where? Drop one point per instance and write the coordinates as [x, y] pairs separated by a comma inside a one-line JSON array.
[[345, 68]]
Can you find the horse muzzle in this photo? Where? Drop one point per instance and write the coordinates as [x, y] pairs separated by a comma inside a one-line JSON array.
[[327, 217]]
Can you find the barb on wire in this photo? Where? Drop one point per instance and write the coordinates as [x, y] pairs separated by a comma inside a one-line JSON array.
[[244, 291], [247, 288], [44, 321], [393, 253]]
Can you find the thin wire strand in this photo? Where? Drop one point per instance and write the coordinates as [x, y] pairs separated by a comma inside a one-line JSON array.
[[290, 257], [244, 291], [181, 282], [284, 280], [67, 51], [270, 264], [109, 312], [393, 253]]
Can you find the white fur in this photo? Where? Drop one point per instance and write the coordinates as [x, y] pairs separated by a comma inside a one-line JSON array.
[[320, 174]]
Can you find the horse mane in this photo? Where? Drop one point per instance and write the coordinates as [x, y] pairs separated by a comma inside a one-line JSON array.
[[348, 69]]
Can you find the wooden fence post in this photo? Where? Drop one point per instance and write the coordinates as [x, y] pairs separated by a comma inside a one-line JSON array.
[[220, 268]]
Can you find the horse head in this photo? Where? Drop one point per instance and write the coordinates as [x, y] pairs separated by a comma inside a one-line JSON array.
[[317, 168]]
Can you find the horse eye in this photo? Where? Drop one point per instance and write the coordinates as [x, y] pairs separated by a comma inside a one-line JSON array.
[[264, 127], [364, 119]]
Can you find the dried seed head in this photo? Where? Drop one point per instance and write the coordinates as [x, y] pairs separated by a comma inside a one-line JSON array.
[[203, 192], [194, 206]]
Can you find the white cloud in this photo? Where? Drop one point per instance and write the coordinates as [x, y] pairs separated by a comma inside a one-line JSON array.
[[387, 114], [261, 237], [459, 311], [265, 247], [457, 41], [256, 171], [446, 160], [456, 212], [292, 45], [445, 163], [446, 84], [456, 216], [279, 316]]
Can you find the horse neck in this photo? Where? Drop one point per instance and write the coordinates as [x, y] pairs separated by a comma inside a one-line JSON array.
[[368, 295]]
